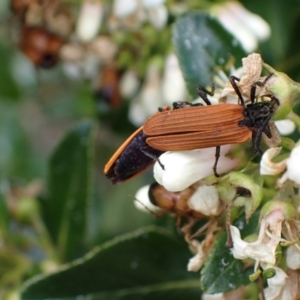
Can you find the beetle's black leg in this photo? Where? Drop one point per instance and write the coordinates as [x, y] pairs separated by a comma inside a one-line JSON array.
[[233, 80], [184, 104], [203, 92], [268, 132], [153, 157], [218, 148], [257, 136]]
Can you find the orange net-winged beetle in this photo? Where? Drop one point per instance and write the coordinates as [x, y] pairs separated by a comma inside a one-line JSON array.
[[189, 127]]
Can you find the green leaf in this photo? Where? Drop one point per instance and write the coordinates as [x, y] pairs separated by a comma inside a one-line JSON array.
[[69, 184], [202, 45], [4, 213], [8, 87], [146, 264], [222, 272]]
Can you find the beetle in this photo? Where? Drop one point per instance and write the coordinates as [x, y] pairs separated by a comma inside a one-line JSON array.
[[212, 125], [135, 155], [175, 202], [192, 126]]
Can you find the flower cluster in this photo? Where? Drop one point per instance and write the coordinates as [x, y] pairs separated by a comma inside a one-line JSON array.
[[243, 187]]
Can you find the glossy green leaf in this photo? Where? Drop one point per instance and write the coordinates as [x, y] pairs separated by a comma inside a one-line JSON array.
[[202, 45], [69, 184], [147, 264], [222, 272]]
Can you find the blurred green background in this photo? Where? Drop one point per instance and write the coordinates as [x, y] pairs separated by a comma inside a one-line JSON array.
[[39, 107]]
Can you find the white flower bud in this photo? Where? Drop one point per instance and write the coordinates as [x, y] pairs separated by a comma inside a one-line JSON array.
[[173, 84], [247, 27], [253, 22], [89, 21], [293, 164], [237, 29], [152, 3], [285, 127], [219, 296], [293, 258], [129, 84], [267, 167], [143, 202], [276, 285], [183, 168], [149, 98], [197, 261], [158, 16], [124, 8], [137, 114], [205, 200]]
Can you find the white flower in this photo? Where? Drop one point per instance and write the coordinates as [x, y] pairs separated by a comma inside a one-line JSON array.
[[183, 168], [285, 127], [143, 202], [247, 27], [267, 167], [89, 20], [293, 170], [149, 98], [132, 13], [276, 285], [219, 296], [293, 258], [158, 16], [255, 250], [173, 84], [263, 250], [124, 8], [129, 84], [293, 165], [205, 200], [197, 261], [152, 3]]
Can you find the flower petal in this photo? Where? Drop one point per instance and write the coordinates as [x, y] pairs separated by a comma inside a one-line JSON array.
[[183, 168], [293, 258], [293, 164], [124, 8], [158, 16], [267, 167], [173, 84], [285, 126], [143, 202], [238, 244], [205, 200], [275, 285], [89, 20]]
